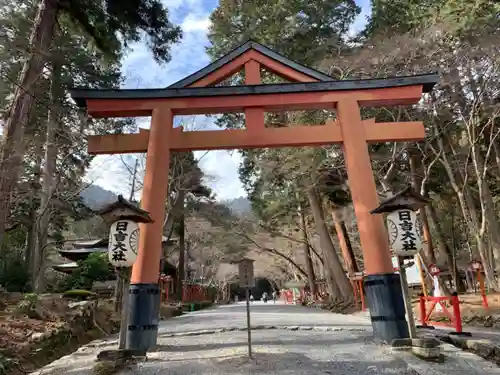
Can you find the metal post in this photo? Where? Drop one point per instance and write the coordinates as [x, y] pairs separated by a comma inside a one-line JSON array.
[[406, 298], [125, 277], [247, 292]]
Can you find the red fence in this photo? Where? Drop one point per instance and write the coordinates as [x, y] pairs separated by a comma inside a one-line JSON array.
[[193, 292], [190, 292], [428, 305]]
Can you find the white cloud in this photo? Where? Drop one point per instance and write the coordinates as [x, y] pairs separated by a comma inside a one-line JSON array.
[[174, 5], [194, 23]]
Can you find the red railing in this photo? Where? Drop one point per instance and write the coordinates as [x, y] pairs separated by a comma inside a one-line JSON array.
[[193, 292], [454, 316], [190, 292], [357, 286]]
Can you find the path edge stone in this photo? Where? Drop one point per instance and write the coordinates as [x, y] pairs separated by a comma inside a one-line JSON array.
[[263, 327]]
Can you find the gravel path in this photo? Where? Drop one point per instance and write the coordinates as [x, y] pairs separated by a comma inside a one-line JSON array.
[[325, 344], [262, 314]]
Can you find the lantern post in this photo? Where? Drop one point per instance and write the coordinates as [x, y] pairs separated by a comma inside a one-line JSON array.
[[404, 238], [124, 218]]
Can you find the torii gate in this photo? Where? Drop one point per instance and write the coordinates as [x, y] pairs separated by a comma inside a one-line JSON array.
[[310, 89]]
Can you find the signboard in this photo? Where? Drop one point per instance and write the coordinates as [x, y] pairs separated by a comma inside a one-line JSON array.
[[476, 265], [434, 270], [404, 232], [123, 243], [245, 268]]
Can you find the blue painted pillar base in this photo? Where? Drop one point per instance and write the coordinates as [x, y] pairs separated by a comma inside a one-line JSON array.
[[142, 328], [384, 299]]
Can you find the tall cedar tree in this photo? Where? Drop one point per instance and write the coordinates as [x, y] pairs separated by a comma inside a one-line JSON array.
[[112, 24]]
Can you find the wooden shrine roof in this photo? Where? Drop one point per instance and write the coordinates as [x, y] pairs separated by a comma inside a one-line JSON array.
[[239, 51], [80, 95]]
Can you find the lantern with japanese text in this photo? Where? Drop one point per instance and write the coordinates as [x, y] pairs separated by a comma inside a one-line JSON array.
[[404, 233], [123, 243], [402, 222], [124, 218]]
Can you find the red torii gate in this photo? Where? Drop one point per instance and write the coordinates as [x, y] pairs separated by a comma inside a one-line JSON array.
[[197, 94]]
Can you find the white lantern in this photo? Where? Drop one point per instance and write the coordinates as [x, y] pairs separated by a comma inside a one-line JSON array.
[[404, 232], [123, 243]]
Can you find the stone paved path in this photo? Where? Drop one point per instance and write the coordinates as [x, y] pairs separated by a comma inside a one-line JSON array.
[[291, 340]]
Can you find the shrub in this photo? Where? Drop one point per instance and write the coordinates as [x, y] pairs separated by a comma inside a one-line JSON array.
[[94, 268], [5, 364], [14, 275], [79, 294]]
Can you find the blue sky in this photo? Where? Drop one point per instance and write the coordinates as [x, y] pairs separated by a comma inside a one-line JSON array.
[[141, 71]]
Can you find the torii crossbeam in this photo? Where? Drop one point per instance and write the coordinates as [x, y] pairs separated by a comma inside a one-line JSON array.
[[197, 94]]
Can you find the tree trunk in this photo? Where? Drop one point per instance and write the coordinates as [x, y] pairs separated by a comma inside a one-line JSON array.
[[345, 245], [444, 248], [48, 179], [12, 152], [418, 183], [331, 256], [182, 260], [416, 170], [496, 154], [470, 216], [487, 205], [175, 210], [307, 254], [31, 238]]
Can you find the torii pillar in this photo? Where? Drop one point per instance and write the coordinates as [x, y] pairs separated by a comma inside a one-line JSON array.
[[382, 286], [315, 91]]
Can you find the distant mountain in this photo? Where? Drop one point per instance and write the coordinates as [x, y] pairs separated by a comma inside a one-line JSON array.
[[239, 206], [95, 197]]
